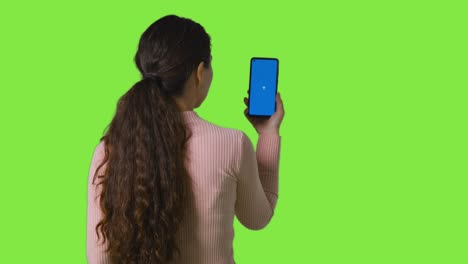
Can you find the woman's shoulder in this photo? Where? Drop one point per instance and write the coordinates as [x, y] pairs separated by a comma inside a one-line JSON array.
[[223, 131]]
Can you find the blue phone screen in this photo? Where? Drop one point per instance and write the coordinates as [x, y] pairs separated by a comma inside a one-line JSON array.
[[263, 84]]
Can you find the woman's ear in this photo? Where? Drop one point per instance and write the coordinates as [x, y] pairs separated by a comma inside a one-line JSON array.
[[200, 69]]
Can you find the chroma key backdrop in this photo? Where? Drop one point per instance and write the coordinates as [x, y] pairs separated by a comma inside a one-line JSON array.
[[374, 160]]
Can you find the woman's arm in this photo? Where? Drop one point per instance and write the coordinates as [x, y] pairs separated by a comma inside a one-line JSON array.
[[257, 185]]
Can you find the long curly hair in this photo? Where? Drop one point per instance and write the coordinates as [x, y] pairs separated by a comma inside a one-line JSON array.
[[146, 185]]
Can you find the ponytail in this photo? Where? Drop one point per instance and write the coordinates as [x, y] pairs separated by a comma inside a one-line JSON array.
[[147, 187]]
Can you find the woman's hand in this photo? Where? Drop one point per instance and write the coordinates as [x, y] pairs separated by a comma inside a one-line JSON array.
[[267, 124]]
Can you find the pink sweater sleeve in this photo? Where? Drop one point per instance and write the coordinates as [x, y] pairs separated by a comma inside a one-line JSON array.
[[94, 251], [257, 187]]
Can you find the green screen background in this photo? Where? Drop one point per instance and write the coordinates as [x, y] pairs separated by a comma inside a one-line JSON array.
[[374, 141]]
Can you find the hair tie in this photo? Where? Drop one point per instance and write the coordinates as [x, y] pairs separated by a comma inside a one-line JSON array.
[[158, 80], [152, 77]]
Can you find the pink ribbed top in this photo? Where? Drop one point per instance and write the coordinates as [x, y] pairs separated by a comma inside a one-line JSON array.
[[229, 178]]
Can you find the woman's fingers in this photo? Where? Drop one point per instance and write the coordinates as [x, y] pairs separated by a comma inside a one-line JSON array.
[[281, 106], [279, 101], [279, 113], [247, 114], [250, 118]]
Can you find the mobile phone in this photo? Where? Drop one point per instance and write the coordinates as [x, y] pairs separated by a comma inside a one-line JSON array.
[[263, 86]]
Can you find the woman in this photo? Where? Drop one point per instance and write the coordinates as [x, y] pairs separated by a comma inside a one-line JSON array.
[[165, 184]]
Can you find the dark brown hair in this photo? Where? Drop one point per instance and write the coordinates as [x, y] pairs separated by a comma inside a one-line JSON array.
[[145, 187]]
